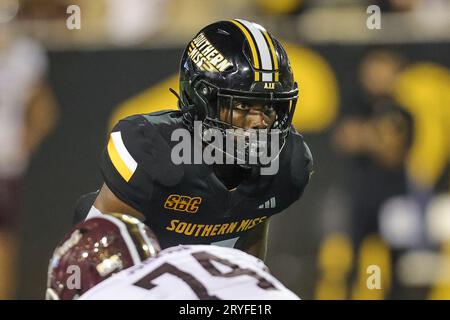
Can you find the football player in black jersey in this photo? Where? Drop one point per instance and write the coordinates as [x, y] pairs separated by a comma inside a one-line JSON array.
[[233, 75]]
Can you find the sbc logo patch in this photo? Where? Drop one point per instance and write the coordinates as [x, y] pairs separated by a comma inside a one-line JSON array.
[[182, 203]]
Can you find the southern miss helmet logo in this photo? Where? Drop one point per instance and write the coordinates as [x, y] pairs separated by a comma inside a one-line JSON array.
[[206, 56]]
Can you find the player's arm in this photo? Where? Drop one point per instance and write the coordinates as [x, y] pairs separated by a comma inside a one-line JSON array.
[[254, 242], [107, 202], [135, 158], [126, 187]]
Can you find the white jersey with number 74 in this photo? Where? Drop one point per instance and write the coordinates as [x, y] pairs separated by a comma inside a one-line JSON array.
[[194, 272]]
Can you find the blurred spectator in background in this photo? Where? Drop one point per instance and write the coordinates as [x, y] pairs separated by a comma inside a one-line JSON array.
[[27, 114], [131, 22], [375, 136]]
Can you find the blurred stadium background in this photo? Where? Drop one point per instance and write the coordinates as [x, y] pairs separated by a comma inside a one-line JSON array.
[[374, 108]]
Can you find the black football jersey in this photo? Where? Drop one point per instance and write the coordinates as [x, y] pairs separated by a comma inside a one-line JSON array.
[[187, 203]]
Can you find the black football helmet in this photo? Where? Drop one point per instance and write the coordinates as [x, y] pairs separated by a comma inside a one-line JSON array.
[[235, 61]]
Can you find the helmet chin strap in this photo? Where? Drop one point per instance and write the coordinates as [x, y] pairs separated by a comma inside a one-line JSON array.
[[183, 108], [186, 110]]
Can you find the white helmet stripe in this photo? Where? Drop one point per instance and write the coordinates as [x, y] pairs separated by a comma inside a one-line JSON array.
[[126, 236], [263, 48]]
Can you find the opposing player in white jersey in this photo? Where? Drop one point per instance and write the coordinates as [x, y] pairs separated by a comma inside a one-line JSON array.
[[118, 257], [194, 272]]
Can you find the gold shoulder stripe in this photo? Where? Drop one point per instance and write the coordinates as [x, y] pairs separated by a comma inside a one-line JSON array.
[[252, 47], [117, 161]]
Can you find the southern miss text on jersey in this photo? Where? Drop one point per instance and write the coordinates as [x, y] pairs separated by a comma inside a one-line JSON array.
[[192, 273], [187, 203]]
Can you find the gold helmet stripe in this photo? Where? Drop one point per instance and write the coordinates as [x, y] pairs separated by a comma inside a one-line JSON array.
[[253, 49], [274, 55], [262, 47]]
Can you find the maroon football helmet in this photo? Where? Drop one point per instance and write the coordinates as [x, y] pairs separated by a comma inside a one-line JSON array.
[[94, 250]]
